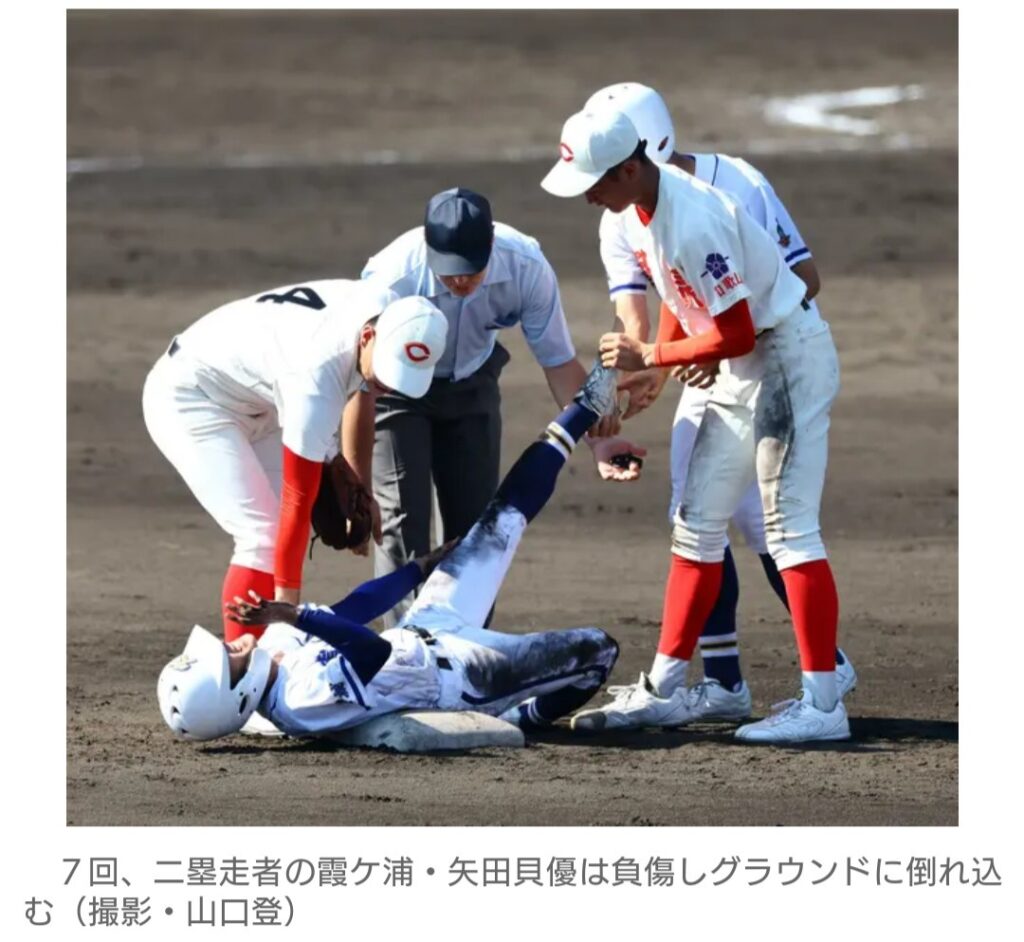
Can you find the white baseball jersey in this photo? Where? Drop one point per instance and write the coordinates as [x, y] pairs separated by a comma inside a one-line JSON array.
[[293, 350], [317, 691], [704, 253], [519, 287], [741, 181]]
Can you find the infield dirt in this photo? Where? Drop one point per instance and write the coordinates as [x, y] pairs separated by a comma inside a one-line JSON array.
[[153, 248]]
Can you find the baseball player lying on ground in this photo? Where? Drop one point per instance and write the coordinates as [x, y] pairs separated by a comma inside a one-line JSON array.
[[317, 670]]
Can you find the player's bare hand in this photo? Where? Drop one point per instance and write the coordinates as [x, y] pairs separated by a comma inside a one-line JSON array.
[[618, 459], [607, 425], [620, 351], [642, 388], [429, 562], [697, 375], [260, 611], [241, 645]]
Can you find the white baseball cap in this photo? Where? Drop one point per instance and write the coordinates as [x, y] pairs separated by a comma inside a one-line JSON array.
[[592, 143], [411, 335], [646, 109]]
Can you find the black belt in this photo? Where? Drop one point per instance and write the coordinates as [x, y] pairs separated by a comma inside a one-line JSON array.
[[429, 639]]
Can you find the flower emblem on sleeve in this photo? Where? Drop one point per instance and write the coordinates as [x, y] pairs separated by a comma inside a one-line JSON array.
[[717, 266]]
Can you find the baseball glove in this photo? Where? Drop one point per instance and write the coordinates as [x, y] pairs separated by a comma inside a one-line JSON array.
[[342, 517]]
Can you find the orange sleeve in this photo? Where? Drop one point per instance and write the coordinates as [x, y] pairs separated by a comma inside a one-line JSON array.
[[731, 335], [299, 487]]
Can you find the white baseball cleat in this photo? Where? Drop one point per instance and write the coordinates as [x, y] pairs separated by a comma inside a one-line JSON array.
[[711, 701], [636, 706], [846, 676], [599, 390], [797, 721], [259, 725]]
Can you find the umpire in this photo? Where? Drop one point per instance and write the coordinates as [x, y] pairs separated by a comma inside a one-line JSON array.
[[484, 277]]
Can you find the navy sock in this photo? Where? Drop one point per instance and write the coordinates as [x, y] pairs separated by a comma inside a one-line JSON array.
[[718, 639], [551, 706], [576, 420], [530, 482], [775, 580]]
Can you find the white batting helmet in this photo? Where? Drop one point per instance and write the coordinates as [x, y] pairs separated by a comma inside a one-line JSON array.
[[646, 109], [196, 697]]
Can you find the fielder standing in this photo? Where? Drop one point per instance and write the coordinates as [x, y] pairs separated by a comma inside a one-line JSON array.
[[734, 300], [246, 404], [722, 694]]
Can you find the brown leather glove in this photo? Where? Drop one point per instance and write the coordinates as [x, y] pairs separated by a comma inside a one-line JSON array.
[[342, 517]]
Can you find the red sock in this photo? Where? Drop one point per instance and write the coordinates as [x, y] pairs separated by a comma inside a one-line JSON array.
[[238, 581], [690, 594], [814, 603]]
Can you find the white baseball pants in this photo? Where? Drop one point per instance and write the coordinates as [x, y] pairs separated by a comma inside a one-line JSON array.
[[767, 420], [492, 671], [231, 462], [749, 516]]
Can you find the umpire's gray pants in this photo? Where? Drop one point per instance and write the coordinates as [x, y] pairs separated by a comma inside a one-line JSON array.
[[452, 436]]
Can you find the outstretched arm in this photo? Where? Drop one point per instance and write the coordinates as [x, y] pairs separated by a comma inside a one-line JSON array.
[[380, 595], [366, 651], [377, 596]]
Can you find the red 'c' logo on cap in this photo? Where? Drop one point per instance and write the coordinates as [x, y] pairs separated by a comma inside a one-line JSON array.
[[566, 151], [416, 351]]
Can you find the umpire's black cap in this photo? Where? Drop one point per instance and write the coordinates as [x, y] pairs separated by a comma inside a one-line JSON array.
[[459, 232]]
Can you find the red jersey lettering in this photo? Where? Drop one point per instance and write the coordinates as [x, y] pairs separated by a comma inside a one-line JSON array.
[[686, 292]]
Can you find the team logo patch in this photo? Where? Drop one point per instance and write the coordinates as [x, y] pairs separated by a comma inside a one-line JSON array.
[[182, 662], [327, 655], [416, 351], [717, 266], [784, 237], [566, 151], [340, 691]]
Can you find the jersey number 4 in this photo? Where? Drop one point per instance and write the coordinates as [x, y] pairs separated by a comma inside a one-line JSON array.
[[307, 297]]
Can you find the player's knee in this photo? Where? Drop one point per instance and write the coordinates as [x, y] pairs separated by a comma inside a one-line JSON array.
[[597, 655], [255, 550], [700, 539], [796, 548], [609, 647]]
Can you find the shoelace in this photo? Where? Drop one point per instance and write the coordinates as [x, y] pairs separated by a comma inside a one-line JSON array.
[[782, 711], [624, 692], [698, 692]]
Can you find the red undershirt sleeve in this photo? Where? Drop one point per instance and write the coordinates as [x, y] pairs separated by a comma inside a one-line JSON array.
[[731, 335], [669, 328], [299, 486]]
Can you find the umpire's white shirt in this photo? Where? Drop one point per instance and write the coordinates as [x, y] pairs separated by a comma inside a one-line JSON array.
[[520, 287]]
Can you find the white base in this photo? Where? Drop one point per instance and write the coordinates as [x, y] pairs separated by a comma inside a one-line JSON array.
[[433, 731]]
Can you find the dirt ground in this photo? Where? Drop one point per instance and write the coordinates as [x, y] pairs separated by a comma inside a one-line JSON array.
[[312, 102]]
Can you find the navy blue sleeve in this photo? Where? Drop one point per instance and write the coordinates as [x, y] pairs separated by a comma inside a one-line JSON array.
[[378, 596], [364, 649]]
